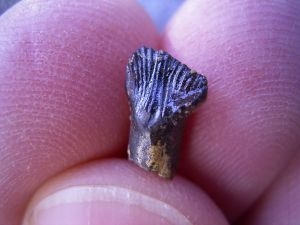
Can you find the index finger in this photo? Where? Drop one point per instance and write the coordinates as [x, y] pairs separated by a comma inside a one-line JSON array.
[[62, 100]]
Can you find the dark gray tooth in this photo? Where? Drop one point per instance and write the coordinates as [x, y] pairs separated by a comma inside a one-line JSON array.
[[162, 92]]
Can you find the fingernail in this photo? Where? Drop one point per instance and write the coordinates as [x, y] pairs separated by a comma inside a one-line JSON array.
[[102, 205]]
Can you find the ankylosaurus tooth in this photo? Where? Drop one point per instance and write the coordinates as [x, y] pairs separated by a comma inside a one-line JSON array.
[[162, 92]]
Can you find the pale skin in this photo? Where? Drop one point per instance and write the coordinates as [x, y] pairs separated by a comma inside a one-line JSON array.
[[63, 105]]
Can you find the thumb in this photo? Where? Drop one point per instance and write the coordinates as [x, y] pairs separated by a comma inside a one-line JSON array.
[[118, 192]]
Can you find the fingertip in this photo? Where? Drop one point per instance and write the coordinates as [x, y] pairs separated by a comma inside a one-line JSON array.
[[243, 135], [118, 192], [62, 97], [63, 67]]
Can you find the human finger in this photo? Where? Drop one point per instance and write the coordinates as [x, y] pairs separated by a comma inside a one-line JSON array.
[[62, 97], [118, 192], [247, 130], [280, 203]]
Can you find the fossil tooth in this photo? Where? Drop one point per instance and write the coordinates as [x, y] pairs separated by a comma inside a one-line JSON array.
[[162, 92]]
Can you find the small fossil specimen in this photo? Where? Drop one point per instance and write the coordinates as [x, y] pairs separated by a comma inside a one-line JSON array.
[[162, 92]]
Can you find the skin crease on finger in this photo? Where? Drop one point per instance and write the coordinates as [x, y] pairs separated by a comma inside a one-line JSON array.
[[248, 129], [193, 205], [62, 97], [280, 204]]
